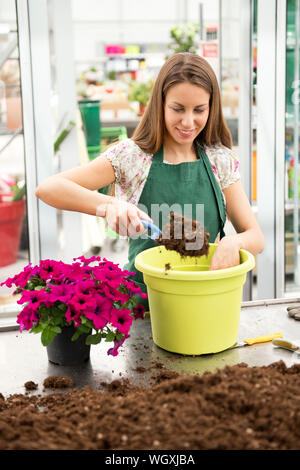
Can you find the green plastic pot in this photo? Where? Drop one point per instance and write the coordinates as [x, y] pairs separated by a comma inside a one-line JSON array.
[[193, 310], [90, 115]]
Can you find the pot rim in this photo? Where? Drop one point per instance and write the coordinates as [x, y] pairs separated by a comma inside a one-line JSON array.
[[171, 274]]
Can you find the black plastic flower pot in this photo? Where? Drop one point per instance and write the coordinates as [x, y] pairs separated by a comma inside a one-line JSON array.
[[65, 352]]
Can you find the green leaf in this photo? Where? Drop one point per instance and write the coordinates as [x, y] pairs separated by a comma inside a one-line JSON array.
[[55, 329], [75, 335], [47, 336], [42, 309], [62, 307], [19, 192], [84, 328], [93, 339], [79, 331], [37, 329], [87, 322], [110, 336]]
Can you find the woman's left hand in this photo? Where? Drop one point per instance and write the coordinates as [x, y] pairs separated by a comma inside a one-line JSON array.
[[227, 254]]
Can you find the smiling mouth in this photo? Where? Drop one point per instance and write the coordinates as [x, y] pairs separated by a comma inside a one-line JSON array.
[[184, 132]]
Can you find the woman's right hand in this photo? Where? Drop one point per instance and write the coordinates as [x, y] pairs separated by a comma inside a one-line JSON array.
[[123, 217]]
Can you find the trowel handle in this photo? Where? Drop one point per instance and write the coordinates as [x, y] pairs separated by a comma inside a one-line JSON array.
[[156, 231], [263, 339]]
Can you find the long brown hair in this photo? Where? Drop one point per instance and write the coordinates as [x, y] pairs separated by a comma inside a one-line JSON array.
[[182, 67]]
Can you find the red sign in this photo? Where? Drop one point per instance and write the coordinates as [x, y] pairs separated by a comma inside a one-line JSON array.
[[210, 49]]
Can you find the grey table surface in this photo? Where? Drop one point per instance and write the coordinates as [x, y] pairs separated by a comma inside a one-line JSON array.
[[23, 358]]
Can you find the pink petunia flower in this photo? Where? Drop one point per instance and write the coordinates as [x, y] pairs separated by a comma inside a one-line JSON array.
[[121, 319], [73, 315], [62, 293], [117, 344], [134, 289], [22, 278], [27, 317], [87, 260], [139, 311], [34, 298], [101, 314], [81, 302], [50, 269]]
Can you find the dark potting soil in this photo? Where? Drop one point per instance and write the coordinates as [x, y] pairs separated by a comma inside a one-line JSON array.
[[30, 385], [58, 381], [167, 266], [180, 233], [237, 407]]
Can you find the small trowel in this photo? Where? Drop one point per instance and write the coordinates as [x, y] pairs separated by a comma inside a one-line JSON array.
[[156, 232], [257, 339]]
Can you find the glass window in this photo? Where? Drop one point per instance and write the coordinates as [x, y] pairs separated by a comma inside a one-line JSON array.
[[292, 170], [14, 243]]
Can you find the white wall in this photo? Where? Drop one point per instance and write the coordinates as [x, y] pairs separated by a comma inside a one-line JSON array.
[[97, 22], [231, 12], [7, 11]]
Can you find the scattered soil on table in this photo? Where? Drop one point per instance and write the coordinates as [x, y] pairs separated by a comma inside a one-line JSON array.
[[58, 381], [182, 231], [140, 369], [30, 385], [237, 407]]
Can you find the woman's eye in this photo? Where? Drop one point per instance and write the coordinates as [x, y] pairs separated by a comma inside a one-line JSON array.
[[180, 110]]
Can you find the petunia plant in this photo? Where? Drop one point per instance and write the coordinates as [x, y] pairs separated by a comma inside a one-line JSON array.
[[93, 295]]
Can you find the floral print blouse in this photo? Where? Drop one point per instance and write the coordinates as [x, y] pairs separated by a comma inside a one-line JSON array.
[[131, 166]]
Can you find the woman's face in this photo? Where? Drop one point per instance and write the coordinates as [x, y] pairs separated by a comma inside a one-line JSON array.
[[186, 112]]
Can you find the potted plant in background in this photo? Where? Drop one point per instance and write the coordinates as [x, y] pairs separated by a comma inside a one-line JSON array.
[[184, 38], [12, 212], [140, 92], [66, 302]]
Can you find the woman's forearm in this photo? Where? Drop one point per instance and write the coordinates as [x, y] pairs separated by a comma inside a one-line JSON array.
[[251, 240], [64, 194]]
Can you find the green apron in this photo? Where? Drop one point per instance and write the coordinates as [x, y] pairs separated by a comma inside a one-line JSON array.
[[186, 183]]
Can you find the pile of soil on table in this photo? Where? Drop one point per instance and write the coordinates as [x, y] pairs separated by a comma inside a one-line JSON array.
[[237, 407], [185, 236], [60, 381]]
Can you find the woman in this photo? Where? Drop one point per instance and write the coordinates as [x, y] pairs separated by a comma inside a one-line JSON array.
[[180, 154]]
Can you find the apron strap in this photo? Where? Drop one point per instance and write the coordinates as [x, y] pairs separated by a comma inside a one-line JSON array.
[[159, 155], [158, 158], [216, 187]]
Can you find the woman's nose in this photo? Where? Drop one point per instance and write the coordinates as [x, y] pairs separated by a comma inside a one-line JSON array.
[[187, 120]]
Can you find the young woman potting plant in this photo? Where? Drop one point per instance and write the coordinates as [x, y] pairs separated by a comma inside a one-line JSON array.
[[181, 152], [76, 305]]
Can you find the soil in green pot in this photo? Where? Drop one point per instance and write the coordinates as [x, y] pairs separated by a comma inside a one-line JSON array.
[[180, 232]]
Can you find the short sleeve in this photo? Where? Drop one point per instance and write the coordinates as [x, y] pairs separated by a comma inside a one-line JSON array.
[[131, 166], [225, 165], [118, 155]]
